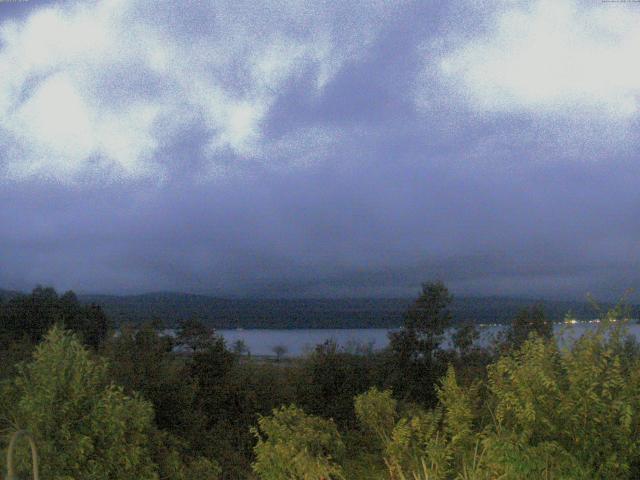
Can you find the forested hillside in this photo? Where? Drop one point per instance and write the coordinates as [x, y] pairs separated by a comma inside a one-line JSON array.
[[7, 294], [317, 313]]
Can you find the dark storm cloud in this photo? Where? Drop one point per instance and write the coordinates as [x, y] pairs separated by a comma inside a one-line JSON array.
[[357, 168]]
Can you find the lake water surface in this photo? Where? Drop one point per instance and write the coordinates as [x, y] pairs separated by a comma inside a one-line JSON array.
[[297, 342]]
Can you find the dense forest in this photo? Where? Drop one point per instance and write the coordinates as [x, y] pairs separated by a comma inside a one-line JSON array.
[[134, 406], [317, 313]]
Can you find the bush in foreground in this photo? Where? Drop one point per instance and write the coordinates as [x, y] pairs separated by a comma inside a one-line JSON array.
[[86, 427], [542, 412]]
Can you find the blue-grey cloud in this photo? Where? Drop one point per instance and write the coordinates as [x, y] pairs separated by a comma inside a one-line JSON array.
[[312, 148]]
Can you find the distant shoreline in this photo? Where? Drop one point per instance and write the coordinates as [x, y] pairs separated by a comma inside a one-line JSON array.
[[331, 313], [322, 313]]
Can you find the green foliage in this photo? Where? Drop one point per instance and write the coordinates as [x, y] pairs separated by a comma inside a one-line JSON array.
[[363, 456], [416, 360], [29, 317], [504, 456], [416, 443], [240, 348], [532, 409], [526, 389], [377, 412], [88, 321], [584, 399], [194, 335], [247, 391], [429, 316], [84, 427], [459, 410], [295, 446], [544, 412], [464, 338], [12, 355], [433, 444], [529, 321], [202, 469], [141, 360], [177, 461], [330, 379]]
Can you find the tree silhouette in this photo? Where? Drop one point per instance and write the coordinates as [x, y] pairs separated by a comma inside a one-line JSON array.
[[280, 351]]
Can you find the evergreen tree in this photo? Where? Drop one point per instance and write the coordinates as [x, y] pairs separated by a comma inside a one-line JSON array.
[[416, 364]]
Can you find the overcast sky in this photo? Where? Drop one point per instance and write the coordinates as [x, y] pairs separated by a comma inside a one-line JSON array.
[[321, 148]]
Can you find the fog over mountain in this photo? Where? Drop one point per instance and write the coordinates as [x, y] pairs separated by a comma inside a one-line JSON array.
[[320, 149]]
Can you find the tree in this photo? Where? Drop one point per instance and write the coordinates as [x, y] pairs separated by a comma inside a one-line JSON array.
[[295, 446], [28, 317], [424, 323], [90, 322], [415, 364], [208, 370], [576, 405], [240, 348], [231, 394], [331, 379], [280, 351], [141, 360], [429, 315], [377, 413], [208, 367], [547, 413], [464, 338], [84, 426], [435, 442], [194, 335], [528, 321]]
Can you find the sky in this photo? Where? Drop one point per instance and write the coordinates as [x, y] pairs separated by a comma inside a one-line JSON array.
[[321, 148]]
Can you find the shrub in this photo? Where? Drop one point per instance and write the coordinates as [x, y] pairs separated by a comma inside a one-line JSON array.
[[295, 446]]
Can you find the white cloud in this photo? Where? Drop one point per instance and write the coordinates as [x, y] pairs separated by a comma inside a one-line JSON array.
[[109, 84], [56, 117], [52, 124], [553, 56]]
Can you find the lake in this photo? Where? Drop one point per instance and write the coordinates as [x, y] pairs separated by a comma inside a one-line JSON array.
[[297, 342]]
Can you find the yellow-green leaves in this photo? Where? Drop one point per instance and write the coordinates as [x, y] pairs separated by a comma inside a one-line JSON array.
[[554, 414], [376, 411], [458, 409], [85, 428], [526, 390], [295, 446], [582, 401]]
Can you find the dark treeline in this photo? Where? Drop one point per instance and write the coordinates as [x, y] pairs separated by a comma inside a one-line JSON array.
[[133, 406], [319, 313]]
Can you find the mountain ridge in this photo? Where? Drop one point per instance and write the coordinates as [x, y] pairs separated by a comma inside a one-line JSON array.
[[289, 313], [225, 312]]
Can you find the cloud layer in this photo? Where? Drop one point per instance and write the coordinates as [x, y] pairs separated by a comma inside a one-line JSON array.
[[320, 148], [564, 57], [101, 90]]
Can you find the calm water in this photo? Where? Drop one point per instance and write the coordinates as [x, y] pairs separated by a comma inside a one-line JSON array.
[[298, 342]]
